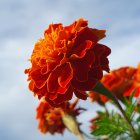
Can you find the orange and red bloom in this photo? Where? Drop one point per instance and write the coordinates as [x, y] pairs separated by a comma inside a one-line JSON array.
[[50, 118], [121, 82], [135, 84], [67, 60]]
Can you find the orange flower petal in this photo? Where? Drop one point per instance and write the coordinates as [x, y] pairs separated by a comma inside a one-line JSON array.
[[80, 50], [99, 33], [80, 94], [66, 75], [59, 78], [39, 79], [85, 86], [82, 66]]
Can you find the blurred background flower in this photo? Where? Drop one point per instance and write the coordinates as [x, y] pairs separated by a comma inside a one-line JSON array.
[[23, 22], [55, 120], [121, 82]]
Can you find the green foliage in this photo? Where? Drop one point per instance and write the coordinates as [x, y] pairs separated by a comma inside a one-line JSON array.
[[130, 106], [113, 126]]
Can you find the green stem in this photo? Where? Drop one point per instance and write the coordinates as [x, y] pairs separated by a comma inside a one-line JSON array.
[[126, 118], [100, 88], [106, 110]]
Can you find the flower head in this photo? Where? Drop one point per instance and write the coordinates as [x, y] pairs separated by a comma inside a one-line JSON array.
[[51, 119], [121, 82], [67, 60], [135, 84]]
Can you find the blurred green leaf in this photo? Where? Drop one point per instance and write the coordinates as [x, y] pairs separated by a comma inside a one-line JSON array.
[[111, 126], [101, 89], [132, 95]]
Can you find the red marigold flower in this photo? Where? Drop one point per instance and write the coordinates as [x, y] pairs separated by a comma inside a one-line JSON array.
[[117, 81], [50, 118], [68, 59], [135, 84]]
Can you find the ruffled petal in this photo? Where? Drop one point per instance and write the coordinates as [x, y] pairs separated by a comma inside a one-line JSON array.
[[60, 78], [61, 98], [81, 66], [101, 53], [80, 94], [52, 28], [39, 79], [99, 33], [85, 86], [80, 50]]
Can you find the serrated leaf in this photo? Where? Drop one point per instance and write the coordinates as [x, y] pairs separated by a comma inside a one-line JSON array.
[[111, 126], [130, 109], [126, 101]]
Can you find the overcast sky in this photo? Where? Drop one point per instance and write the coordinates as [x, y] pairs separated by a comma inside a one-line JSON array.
[[22, 23]]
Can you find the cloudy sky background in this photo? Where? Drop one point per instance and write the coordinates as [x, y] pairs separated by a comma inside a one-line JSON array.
[[22, 24]]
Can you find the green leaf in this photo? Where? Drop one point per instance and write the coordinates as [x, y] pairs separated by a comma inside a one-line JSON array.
[[111, 126], [130, 105], [101, 89], [132, 95], [100, 112], [138, 119]]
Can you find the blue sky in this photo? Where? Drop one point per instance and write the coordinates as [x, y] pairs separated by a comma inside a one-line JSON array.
[[22, 24]]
